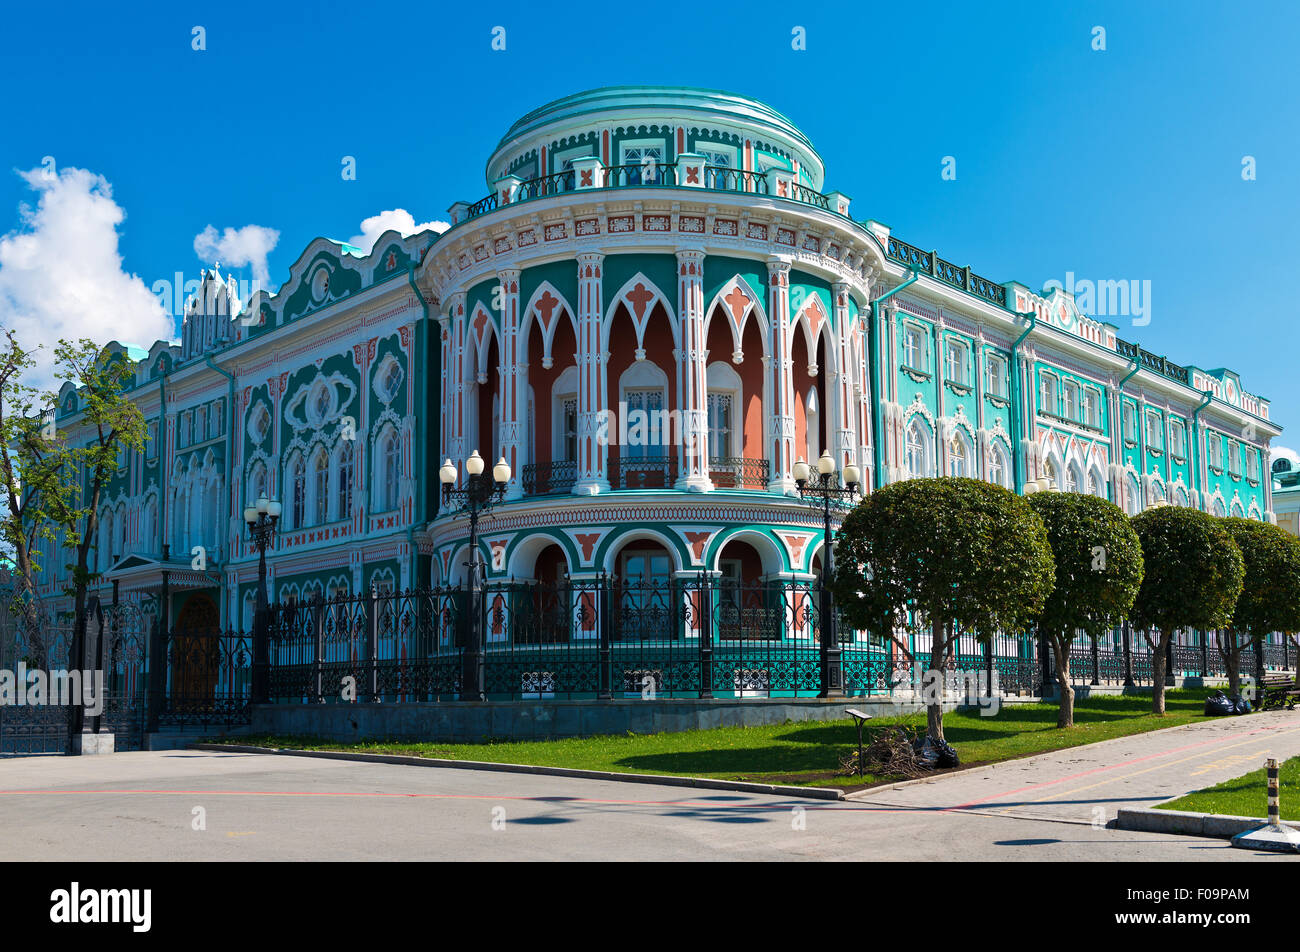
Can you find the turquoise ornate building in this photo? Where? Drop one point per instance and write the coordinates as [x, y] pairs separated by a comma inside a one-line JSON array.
[[656, 312]]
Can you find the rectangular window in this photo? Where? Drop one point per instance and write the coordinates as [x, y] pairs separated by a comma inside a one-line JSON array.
[[1091, 407], [1070, 401], [956, 362], [1252, 465], [200, 424], [183, 429], [1234, 459], [151, 441], [217, 420], [1214, 451], [720, 405], [996, 367], [1130, 423], [1178, 439], [646, 159], [913, 348], [1155, 432], [1048, 391], [646, 408], [569, 428]]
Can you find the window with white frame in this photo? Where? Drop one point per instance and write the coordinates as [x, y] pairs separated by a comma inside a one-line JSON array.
[[1214, 451], [344, 462], [918, 444], [999, 466], [996, 374], [1129, 417], [1252, 464], [1073, 479], [720, 425], [151, 441], [256, 482], [320, 466], [646, 156], [719, 162], [1096, 485], [1234, 459], [564, 418], [1155, 432], [958, 454], [183, 430], [216, 419], [1050, 472], [955, 361], [724, 402], [644, 392], [913, 347], [1070, 400], [200, 424], [1216, 508], [1047, 389], [1091, 407], [1178, 439], [1132, 495], [297, 492], [390, 469]]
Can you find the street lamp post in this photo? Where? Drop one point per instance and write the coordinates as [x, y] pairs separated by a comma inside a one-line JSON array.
[[822, 488], [261, 518], [480, 492]]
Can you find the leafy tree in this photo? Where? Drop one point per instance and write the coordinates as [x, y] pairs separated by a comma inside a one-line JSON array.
[[1098, 570], [1193, 575], [30, 484], [1270, 593], [54, 484], [962, 554]]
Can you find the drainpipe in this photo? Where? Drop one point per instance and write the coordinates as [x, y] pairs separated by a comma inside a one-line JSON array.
[[873, 342], [1016, 398], [1207, 396], [422, 441], [162, 460], [1118, 447]]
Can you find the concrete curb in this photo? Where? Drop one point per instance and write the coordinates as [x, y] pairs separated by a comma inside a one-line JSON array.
[[703, 783], [1215, 825]]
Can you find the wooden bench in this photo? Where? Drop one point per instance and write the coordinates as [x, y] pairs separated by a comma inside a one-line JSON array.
[[1278, 691]]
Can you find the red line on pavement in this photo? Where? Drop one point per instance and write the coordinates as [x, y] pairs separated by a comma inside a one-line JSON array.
[[1096, 770]]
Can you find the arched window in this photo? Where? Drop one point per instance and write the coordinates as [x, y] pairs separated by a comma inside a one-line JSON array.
[[812, 426], [1096, 485], [1073, 479], [297, 492], [999, 470], [1157, 492], [320, 466], [918, 439], [1216, 507], [958, 457], [105, 538], [644, 391], [724, 403], [343, 499], [256, 482], [1050, 471], [1132, 496], [120, 523], [390, 462], [149, 527], [1180, 496]]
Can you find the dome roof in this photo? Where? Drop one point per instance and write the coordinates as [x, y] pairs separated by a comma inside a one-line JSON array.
[[654, 104]]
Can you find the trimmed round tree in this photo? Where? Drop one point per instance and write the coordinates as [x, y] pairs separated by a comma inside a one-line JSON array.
[[1270, 593], [1098, 570], [1192, 576], [965, 554]]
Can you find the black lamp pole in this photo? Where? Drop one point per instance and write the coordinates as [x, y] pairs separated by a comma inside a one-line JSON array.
[[481, 492], [261, 519], [822, 486]]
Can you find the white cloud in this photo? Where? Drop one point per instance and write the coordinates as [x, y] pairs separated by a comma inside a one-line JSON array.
[[397, 219], [238, 248], [61, 272]]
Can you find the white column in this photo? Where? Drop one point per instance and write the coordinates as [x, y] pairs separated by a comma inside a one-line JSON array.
[[456, 385], [593, 446], [842, 390], [692, 397], [511, 392], [781, 412]]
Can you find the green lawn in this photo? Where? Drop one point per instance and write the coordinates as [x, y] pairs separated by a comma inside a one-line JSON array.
[[1246, 795], [804, 753]]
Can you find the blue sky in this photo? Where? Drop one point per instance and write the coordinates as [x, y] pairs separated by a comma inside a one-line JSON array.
[[1117, 164]]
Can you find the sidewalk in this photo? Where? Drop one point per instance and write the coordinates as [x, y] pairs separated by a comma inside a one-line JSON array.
[[1089, 784]]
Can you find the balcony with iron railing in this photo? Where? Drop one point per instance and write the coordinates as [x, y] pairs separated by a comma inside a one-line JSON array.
[[557, 477], [650, 175]]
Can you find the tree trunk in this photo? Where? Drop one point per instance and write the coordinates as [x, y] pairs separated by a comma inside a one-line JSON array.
[[1065, 706], [938, 657], [1158, 672], [1232, 664]]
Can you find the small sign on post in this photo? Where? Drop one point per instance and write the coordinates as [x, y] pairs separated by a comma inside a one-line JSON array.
[[859, 718]]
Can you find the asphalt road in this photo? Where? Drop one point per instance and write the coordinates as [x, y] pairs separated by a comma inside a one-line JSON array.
[[147, 806]]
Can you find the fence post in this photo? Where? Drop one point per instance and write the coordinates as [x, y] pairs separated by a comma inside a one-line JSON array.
[[1096, 661], [1169, 660], [704, 596], [1205, 655], [318, 650], [602, 605], [1259, 662], [988, 664], [1127, 633], [372, 645]]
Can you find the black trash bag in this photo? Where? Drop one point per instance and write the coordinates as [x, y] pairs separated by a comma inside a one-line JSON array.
[[934, 753], [1219, 704], [1240, 704]]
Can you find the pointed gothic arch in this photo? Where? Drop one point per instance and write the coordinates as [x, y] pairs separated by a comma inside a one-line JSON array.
[[640, 296]]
